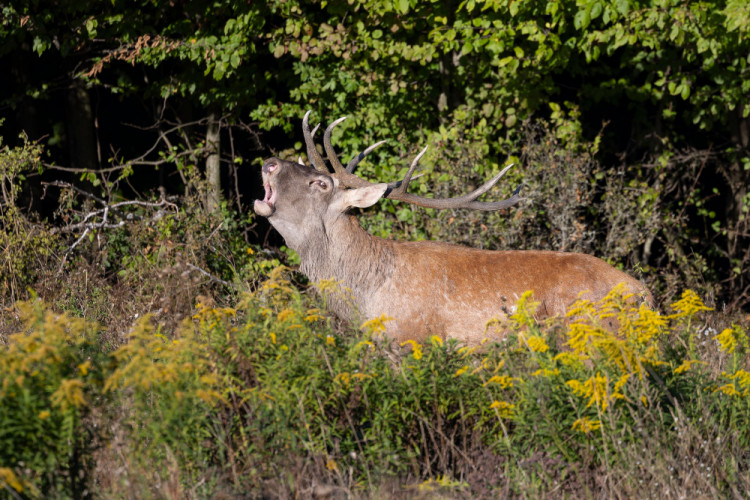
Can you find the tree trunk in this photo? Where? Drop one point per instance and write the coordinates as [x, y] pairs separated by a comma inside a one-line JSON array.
[[80, 127], [213, 164]]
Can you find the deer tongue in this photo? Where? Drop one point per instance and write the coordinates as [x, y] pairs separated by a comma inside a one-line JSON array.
[[265, 207]]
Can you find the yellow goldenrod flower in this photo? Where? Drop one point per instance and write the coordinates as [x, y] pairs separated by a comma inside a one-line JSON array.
[[83, 368], [545, 372], [484, 365], [649, 325], [688, 305], [595, 389], [441, 482], [416, 348], [376, 326], [363, 343], [581, 308], [728, 389], [313, 315], [537, 344], [461, 371], [9, 477], [742, 377], [504, 381], [44, 415], [503, 409], [525, 309], [580, 334], [70, 393], [331, 465], [436, 341], [209, 397], [466, 351], [585, 425], [727, 341], [687, 365], [342, 378], [330, 340], [285, 315]]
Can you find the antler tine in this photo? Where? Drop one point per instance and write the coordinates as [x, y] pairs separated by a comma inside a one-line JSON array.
[[355, 161], [402, 185], [312, 152], [398, 192], [332, 156]]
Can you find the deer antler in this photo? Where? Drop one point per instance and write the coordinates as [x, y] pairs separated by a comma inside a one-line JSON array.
[[398, 190]]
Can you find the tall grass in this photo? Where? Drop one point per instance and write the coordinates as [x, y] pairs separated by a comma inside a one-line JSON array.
[[270, 398]]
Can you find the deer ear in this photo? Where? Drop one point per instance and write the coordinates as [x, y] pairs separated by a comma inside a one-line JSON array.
[[359, 197]]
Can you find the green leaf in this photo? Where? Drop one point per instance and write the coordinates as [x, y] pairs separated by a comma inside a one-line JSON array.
[[581, 20], [596, 10], [685, 92]]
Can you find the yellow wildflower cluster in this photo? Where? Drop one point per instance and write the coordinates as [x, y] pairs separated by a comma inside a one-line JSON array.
[[503, 381], [526, 308], [376, 326], [210, 317], [597, 390], [416, 348], [149, 360], [504, 409], [441, 482], [47, 355], [688, 305], [586, 425], [9, 479], [346, 378], [732, 338], [617, 332], [687, 365], [537, 344], [740, 385]]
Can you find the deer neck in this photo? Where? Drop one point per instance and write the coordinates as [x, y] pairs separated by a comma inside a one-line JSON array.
[[356, 261]]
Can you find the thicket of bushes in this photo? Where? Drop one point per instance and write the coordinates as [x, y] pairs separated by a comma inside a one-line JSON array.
[[151, 344], [172, 358], [267, 398], [644, 160]]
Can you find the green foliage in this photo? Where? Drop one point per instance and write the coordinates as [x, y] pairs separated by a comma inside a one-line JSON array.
[[222, 403], [25, 247], [52, 376], [467, 78]]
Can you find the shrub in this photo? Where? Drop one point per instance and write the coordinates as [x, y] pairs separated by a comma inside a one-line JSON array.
[[52, 374], [272, 397], [554, 404], [25, 247]]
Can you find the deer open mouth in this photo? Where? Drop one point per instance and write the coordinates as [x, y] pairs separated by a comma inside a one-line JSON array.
[[266, 206]]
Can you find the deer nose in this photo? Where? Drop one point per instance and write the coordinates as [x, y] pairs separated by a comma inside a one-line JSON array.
[[270, 165]]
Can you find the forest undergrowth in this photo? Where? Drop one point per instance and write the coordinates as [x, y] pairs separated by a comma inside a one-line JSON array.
[[161, 355], [270, 398]]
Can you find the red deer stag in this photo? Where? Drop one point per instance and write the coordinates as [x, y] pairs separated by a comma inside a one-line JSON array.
[[426, 287]]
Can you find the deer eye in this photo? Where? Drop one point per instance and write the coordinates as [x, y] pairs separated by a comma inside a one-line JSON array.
[[319, 184]]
